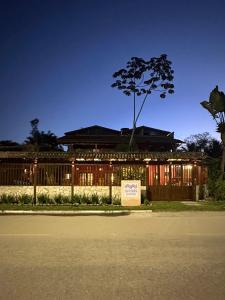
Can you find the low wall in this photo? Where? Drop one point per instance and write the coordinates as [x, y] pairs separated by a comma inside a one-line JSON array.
[[16, 190], [52, 191]]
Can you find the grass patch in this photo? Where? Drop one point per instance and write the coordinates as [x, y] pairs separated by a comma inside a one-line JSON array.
[[71, 207], [179, 206], [157, 206]]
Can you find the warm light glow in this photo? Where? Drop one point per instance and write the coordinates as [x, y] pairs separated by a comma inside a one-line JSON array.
[[112, 178], [67, 176], [189, 167]]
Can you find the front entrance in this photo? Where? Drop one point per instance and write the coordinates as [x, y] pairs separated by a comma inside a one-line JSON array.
[[169, 193]]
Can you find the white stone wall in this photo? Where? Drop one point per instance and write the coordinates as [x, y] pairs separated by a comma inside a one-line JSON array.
[[52, 191], [16, 190]]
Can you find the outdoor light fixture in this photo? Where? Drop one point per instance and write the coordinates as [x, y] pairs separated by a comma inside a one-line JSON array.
[[174, 159], [147, 159]]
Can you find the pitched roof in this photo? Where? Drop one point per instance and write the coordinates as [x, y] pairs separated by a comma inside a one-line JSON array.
[[106, 156], [93, 130]]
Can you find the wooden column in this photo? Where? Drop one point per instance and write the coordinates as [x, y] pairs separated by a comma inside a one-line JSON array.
[[35, 166], [194, 180], [110, 182], [147, 181], [72, 179]]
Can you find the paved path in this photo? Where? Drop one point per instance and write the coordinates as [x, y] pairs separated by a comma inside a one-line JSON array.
[[159, 256]]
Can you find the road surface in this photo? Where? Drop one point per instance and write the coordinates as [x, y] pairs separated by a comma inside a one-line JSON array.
[[157, 256]]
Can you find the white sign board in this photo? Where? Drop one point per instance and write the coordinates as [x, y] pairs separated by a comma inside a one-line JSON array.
[[130, 192]]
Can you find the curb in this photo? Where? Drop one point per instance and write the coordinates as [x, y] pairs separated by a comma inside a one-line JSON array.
[[73, 212]]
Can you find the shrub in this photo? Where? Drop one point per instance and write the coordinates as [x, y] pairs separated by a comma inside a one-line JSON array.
[[146, 202], [84, 199], [43, 199], [7, 199], [105, 200], [116, 201], [61, 199], [219, 191], [76, 199], [25, 199], [94, 199]]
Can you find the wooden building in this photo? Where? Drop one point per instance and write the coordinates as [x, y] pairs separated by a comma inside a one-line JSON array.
[[100, 138], [163, 175]]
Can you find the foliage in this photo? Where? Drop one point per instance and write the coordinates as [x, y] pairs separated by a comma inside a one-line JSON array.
[[8, 145], [25, 199], [6, 199], [43, 199], [216, 107], [105, 200], [94, 199], [75, 199], [84, 199], [40, 140], [116, 201], [218, 190], [142, 77], [203, 142], [61, 199]]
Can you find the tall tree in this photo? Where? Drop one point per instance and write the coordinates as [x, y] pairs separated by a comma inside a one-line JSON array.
[[40, 140], [142, 77], [216, 107], [203, 142]]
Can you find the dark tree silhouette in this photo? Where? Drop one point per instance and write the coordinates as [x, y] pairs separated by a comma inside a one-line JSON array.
[[142, 77], [216, 107], [203, 142], [8, 145], [40, 140]]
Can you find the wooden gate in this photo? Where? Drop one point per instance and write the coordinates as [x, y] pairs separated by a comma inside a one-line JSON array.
[[170, 193]]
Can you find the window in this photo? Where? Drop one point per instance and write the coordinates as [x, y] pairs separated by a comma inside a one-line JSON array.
[[187, 175], [164, 171], [153, 175], [176, 177], [86, 179]]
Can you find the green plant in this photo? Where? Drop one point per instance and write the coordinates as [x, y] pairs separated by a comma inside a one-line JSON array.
[[146, 202], [25, 199], [84, 199], [61, 199], [116, 201], [105, 200], [219, 192], [94, 199], [43, 199], [76, 199], [7, 199]]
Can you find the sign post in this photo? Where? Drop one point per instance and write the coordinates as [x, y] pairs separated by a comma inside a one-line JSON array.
[[130, 192]]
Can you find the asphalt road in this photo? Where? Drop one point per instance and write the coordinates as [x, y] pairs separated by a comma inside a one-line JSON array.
[[159, 256]]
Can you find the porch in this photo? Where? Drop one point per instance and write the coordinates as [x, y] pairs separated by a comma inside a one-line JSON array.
[[163, 176]]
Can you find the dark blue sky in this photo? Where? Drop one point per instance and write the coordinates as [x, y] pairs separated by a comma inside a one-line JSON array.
[[57, 59]]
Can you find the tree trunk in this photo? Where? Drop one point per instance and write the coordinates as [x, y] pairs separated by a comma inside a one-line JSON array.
[[134, 124], [222, 165]]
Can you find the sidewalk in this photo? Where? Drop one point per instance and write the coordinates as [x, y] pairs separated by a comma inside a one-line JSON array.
[[73, 212]]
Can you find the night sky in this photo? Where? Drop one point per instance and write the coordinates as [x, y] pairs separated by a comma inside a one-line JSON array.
[[57, 59]]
